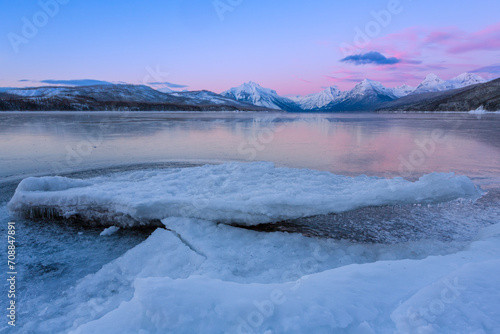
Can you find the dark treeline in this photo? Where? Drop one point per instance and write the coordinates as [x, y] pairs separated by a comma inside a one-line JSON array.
[[15, 103]]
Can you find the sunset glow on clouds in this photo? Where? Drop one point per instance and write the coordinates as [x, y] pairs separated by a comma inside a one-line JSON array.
[[448, 51], [294, 47]]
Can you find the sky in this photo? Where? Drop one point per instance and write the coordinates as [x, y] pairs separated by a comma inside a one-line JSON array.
[[292, 46]]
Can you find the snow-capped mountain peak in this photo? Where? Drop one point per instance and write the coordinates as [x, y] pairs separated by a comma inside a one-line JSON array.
[[252, 84], [403, 90], [318, 100], [466, 79], [362, 97], [256, 88], [331, 90], [433, 83], [368, 86], [255, 94], [432, 78]]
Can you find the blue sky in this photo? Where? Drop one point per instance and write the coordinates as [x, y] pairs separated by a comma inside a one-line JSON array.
[[291, 46]]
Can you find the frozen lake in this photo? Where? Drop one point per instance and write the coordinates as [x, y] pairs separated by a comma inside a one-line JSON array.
[[157, 158], [347, 144]]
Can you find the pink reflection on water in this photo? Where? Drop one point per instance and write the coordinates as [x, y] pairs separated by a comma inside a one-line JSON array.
[[349, 145]]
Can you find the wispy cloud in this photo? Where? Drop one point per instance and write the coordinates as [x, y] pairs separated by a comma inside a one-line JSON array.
[[77, 82], [344, 75], [303, 80], [167, 84], [447, 51], [484, 40], [444, 36], [493, 69], [372, 57], [451, 41]]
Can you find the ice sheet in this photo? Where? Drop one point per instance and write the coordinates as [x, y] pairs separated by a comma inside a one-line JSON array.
[[245, 193], [447, 293], [200, 276]]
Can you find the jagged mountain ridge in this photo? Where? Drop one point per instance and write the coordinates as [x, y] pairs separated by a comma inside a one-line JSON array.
[[432, 83], [482, 95], [255, 94], [365, 96], [116, 97], [361, 97], [368, 95], [318, 100]]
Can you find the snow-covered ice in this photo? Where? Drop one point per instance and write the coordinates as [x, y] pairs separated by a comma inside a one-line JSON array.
[[482, 111], [479, 110], [244, 193], [195, 274], [109, 231], [199, 276]]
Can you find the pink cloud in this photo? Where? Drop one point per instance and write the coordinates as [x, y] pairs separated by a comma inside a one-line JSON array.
[[342, 79], [344, 75], [415, 41], [447, 51], [484, 40], [303, 80], [444, 36]]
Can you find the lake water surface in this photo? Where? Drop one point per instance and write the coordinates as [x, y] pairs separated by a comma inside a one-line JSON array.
[[85, 145], [390, 145]]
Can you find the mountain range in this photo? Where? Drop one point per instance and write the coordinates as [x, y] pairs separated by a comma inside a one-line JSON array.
[[365, 96], [368, 95], [483, 96], [116, 97]]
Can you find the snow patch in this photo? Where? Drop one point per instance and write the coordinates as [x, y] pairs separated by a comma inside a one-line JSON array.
[[109, 231]]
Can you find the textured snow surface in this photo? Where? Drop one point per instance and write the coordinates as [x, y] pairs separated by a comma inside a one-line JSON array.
[[402, 90], [370, 87], [246, 193], [433, 83], [253, 93], [319, 100], [202, 277]]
